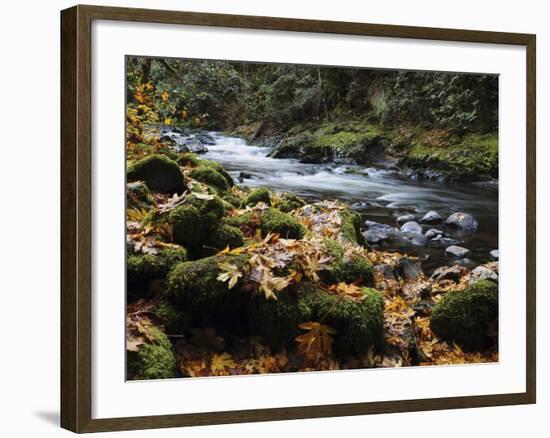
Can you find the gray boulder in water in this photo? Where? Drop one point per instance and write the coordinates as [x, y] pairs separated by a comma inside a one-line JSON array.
[[411, 227], [457, 251], [405, 218], [463, 221], [432, 217]]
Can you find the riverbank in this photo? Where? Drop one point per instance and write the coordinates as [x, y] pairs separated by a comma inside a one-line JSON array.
[[229, 279], [419, 153]]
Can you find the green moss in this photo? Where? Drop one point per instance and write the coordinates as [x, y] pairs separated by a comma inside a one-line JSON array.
[[275, 221], [142, 269], [193, 287], [359, 324], [152, 361], [138, 195], [232, 199], [210, 210], [289, 202], [175, 322], [159, 173], [218, 168], [258, 195], [188, 159], [210, 177], [472, 157], [187, 226], [276, 321], [140, 150], [351, 227], [221, 237], [464, 316], [355, 269]]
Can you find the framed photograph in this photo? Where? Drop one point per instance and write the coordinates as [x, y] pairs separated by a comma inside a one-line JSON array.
[[268, 219]]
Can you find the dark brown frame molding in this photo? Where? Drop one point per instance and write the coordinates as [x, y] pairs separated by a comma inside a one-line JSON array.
[[76, 243]]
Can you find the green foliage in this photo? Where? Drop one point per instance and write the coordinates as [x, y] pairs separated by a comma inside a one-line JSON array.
[[152, 361], [460, 103], [175, 322], [465, 316], [258, 195], [159, 173]]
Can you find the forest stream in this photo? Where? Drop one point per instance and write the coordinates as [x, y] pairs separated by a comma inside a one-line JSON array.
[[378, 194]]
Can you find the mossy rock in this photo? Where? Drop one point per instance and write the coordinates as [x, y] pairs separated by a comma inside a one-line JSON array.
[[210, 210], [289, 202], [276, 321], [193, 287], [152, 361], [220, 169], [351, 227], [142, 269], [258, 195], [159, 172], [187, 226], [209, 176], [188, 159], [465, 316], [192, 221], [175, 322], [221, 237], [359, 325], [138, 195], [356, 269], [232, 199], [275, 221]]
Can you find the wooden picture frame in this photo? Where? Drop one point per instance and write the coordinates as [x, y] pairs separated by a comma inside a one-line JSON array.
[[76, 218]]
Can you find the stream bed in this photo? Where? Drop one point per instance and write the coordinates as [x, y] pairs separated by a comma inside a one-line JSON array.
[[378, 194]]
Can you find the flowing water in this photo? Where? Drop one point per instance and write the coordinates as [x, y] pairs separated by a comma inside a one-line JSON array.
[[387, 194]]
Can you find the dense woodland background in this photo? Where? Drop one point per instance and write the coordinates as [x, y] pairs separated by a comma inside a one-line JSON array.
[[224, 95]]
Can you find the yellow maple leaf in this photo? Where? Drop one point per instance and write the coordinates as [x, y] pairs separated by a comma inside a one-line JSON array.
[[221, 362], [231, 273], [317, 341]]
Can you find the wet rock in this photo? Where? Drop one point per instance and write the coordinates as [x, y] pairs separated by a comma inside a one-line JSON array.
[[377, 226], [494, 254], [411, 227], [482, 273], [168, 139], [386, 270], [418, 239], [457, 251], [182, 149], [409, 269], [454, 273], [432, 217], [463, 221], [376, 236], [194, 145], [245, 175], [443, 241], [434, 233], [205, 139], [405, 218]]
